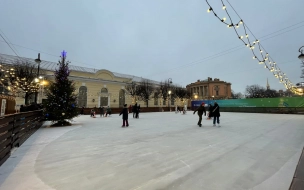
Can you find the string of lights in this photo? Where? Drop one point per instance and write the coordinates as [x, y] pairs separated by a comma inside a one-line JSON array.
[[262, 56], [14, 84], [231, 50]]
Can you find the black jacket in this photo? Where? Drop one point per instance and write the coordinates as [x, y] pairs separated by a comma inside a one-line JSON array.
[[124, 113], [216, 110], [200, 110]]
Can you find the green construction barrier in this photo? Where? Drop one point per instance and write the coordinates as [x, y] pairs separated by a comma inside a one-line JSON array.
[[260, 102]]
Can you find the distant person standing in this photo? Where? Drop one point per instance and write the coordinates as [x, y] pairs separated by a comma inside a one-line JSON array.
[[125, 114], [200, 110], [216, 114]]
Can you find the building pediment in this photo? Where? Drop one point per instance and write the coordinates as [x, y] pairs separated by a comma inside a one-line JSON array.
[[104, 74]]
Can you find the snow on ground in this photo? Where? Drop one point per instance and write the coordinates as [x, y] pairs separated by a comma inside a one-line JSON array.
[[160, 151]]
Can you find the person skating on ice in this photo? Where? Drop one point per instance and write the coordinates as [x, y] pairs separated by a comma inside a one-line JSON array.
[[200, 110], [216, 114], [210, 111], [125, 114]]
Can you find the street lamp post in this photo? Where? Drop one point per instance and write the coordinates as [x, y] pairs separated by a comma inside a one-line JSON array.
[[169, 92], [38, 61], [301, 57]]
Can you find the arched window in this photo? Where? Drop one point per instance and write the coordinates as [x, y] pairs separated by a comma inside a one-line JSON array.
[[104, 97], [82, 96], [121, 98], [216, 88], [155, 98], [172, 101]]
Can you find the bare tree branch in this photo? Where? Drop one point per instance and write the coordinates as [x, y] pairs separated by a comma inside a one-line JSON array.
[[144, 90]]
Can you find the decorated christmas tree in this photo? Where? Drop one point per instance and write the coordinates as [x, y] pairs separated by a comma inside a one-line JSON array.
[[61, 105]]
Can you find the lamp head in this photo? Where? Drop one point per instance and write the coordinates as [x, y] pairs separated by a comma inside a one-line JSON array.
[[38, 60]]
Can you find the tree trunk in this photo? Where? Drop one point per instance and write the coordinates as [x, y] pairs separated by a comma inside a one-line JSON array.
[[26, 98]]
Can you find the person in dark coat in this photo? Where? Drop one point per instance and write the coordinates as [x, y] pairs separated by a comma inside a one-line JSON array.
[[134, 108], [82, 110], [125, 114], [137, 111], [216, 114], [200, 110], [101, 109], [210, 111]]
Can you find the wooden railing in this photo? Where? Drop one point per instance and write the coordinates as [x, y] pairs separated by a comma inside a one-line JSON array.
[[15, 129]]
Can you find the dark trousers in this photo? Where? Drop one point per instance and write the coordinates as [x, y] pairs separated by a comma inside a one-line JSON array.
[[217, 118], [134, 114], [125, 121], [199, 120], [137, 115]]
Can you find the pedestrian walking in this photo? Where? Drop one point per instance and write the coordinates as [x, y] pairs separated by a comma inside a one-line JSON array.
[[125, 114], [200, 111], [216, 114]]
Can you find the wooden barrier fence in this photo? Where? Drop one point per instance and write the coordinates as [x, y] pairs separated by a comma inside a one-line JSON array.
[[17, 128]]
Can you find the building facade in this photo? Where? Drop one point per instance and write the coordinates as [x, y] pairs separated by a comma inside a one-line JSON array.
[[94, 87], [210, 89]]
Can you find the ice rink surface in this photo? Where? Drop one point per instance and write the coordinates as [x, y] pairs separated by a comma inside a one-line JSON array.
[[160, 151]]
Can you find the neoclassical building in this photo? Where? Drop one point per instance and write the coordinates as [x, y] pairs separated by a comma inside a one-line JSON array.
[[94, 87], [210, 89]]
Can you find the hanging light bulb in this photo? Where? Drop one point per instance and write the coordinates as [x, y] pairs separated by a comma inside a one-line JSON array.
[[254, 57], [247, 35], [237, 25], [241, 21], [223, 20], [209, 10], [224, 7]]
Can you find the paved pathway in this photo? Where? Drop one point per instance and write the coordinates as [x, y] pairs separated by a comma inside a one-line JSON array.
[[160, 151]]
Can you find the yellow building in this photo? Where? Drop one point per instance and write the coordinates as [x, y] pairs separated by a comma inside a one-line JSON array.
[[210, 89], [94, 87]]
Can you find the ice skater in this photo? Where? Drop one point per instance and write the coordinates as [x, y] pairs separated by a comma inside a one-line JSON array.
[[200, 110], [101, 109], [210, 111], [216, 114], [125, 114]]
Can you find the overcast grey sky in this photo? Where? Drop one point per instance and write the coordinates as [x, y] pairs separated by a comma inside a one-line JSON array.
[[157, 39]]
